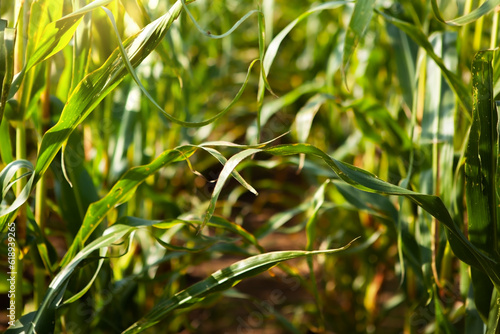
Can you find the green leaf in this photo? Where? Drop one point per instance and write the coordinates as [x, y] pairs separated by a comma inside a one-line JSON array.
[[44, 318], [473, 322], [218, 281], [6, 183], [120, 192], [273, 47], [214, 36], [216, 154], [481, 158], [379, 126], [5, 142], [226, 171], [128, 183], [54, 38], [130, 69], [493, 324], [98, 84], [405, 54], [420, 38], [81, 47], [366, 181], [305, 116], [75, 197], [360, 20], [7, 39], [485, 8], [480, 174]]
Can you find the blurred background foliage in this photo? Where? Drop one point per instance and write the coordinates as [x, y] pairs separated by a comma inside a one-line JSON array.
[[387, 109]]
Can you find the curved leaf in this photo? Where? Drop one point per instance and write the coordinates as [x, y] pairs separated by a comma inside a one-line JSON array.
[[6, 176], [43, 320], [366, 181], [98, 84], [485, 8], [220, 280], [54, 38], [125, 186]]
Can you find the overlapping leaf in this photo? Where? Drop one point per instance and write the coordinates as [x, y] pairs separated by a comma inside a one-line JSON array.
[[368, 182], [44, 319], [122, 190], [420, 38], [96, 85]]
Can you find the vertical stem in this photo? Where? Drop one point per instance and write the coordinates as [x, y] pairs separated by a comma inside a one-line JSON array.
[[478, 32], [21, 17], [20, 222], [494, 30], [465, 51], [40, 204]]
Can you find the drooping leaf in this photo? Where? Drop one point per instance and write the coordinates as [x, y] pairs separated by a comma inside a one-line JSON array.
[[44, 319], [6, 183], [122, 190], [96, 85], [485, 8], [366, 181], [218, 281], [130, 68]]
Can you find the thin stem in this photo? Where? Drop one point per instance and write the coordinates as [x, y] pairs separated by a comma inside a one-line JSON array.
[[494, 30], [41, 190], [20, 223], [478, 32]]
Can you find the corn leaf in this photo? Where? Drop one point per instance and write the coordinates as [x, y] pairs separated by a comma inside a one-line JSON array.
[[360, 19], [480, 174], [120, 192], [54, 37], [420, 38], [7, 38], [366, 181], [220, 280], [6, 183], [44, 319], [98, 84], [485, 8]]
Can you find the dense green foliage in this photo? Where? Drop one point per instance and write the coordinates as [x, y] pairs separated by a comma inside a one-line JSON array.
[[250, 166]]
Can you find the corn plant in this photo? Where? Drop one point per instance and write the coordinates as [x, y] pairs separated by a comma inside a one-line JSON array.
[[164, 165]]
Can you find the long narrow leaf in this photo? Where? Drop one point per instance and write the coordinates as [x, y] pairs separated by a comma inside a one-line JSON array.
[[485, 8], [54, 38], [360, 19], [480, 174], [43, 320], [420, 38], [122, 190], [98, 84], [366, 181], [218, 281]]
